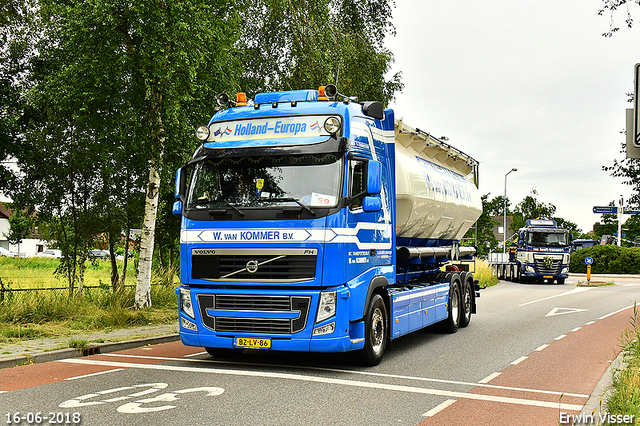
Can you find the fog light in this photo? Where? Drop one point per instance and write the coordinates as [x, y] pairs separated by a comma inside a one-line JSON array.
[[188, 324], [325, 329], [332, 125], [202, 133]]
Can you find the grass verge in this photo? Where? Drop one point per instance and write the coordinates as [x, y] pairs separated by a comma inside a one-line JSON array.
[[484, 274], [28, 315], [624, 398]]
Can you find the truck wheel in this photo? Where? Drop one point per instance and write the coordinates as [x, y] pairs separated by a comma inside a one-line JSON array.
[[224, 353], [467, 297], [375, 332], [451, 324]]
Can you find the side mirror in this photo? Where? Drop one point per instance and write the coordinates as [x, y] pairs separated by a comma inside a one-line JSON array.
[[177, 208], [374, 177], [373, 109], [371, 204], [180, 190], [177, 184]]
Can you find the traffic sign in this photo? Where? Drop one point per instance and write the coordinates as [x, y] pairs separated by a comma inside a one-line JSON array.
[[588, 260], [631, 211], [605, 210]]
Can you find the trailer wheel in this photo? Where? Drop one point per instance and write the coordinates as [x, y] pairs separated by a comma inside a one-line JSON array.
[[375, 332], [224, 353], [452, 323], [467, 300]]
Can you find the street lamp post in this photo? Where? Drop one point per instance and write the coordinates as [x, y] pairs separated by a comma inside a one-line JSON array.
[[504, 229]]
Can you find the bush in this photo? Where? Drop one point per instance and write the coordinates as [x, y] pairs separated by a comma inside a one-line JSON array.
[[607, 259]]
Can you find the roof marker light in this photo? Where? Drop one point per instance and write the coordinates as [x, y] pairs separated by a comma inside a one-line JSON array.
[[241, 99], [321, 94]]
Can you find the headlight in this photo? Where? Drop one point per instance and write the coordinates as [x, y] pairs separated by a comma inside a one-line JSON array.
[[565, 270], [202, 133], [185, 302], [529, 268], [332, 125], [327, 306]]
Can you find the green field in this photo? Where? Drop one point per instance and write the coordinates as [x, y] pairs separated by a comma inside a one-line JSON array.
[[54, 313], [34, 272]]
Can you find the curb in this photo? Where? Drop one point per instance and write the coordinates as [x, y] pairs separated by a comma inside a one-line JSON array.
[[594, 405], [92, 349]]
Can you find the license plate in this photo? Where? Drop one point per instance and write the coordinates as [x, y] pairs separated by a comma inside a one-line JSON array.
[[242, 342], [548, 277]]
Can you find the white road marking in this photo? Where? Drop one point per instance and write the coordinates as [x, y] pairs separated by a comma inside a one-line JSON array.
[[489, 378], [439, 408], [519, 360], [618, 311], [574, 291], [196, 354], [590, 322], [316, 379], [563, 311], [560, 337], [362, 373], [539, 348], [95, 374], [576, 329]]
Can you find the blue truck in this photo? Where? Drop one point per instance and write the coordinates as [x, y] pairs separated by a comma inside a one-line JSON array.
[[540, 252], [311, 222]]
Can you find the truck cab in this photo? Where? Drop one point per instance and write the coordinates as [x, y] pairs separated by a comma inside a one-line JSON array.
[[543, 251]]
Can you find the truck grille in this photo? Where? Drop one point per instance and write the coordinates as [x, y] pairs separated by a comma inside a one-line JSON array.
[[295, 308], [251, 265], [547, 268]]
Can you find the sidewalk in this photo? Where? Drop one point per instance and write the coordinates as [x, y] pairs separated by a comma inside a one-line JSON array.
[[45, 350]]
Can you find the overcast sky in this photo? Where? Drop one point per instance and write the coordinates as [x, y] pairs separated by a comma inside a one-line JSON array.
[[527, 84]]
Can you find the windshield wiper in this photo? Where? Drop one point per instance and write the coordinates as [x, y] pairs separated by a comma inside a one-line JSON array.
[[295, 200], [207, 201]]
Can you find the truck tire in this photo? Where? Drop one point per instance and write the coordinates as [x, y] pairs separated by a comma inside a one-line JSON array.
[[375, 332], [467, 300], [224, 353], [452, 323]]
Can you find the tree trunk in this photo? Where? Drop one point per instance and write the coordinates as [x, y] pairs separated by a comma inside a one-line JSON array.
[[115, 279], [147, 239], [123, 277]]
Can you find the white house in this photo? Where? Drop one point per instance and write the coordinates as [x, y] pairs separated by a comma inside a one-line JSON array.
[[28, 247]]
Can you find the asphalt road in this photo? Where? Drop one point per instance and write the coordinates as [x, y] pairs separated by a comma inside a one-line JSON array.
[[533, 353]]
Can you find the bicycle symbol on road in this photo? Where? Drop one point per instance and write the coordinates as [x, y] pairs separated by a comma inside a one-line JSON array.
[[138, 405]]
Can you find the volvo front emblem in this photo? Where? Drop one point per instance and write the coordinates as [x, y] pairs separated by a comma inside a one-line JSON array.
[[252, 266]]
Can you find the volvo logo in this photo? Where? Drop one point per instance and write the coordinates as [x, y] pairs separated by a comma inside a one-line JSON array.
[[252, 266]]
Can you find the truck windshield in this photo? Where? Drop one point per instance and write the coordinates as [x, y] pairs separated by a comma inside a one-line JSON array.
[[548, 239], [306, 180]]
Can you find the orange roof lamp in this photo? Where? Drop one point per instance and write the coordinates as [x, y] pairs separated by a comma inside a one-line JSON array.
[[327, 92], [241, 99]]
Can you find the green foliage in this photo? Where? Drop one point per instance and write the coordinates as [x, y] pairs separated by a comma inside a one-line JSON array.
[[293, 44], [531, 208], [607, 259], [485, 238]]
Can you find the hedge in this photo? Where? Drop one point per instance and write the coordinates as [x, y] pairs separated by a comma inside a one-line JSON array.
[[607, 259]]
